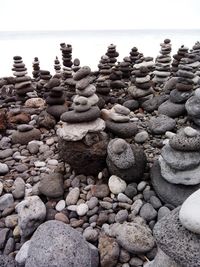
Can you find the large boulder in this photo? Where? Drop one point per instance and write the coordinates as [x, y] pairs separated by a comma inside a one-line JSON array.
[[57, 244]]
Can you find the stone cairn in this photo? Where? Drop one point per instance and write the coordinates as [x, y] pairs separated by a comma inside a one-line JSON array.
[[55, 102], [193, 107], [66, 54], [126, 67], [112, 54], [118, 121], [23, 84], [57, 66], [141, 90], [162, 66], [82, 141], [182, 51], [104, 66], [126, 161], [175, 175], [175, 106], [36, 68], [116, 78], [76, 65], [134, 55], [45, 77], [177, 235]]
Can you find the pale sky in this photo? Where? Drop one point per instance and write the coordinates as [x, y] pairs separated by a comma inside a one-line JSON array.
[[98, 14]]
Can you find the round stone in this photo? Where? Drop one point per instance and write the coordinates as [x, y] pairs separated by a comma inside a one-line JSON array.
[[82, 209], [171, 109], [116, 184], [189, 213], [190, 132], [60, 205], [3, 168], [141, 137]]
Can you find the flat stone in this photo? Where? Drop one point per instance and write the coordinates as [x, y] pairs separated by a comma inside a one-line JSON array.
[[161, 124], [123, 129], [180, 97], [77, 131], [174, 194], [6, 153], [24, 127], [182, 142], [176, 241], [189, 215], [81, 73], [24, 138], [65, 242], [35, 102], [76, 117], [73, 196], [180, 160], [171, 109]]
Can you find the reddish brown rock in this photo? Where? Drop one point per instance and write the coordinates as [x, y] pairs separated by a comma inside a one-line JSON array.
[[3, 121], [20, 118]]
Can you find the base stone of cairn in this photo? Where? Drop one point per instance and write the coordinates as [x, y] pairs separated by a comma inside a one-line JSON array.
[[125, 160], [175, 175], [82, 142], [118, 121], [180, 244]]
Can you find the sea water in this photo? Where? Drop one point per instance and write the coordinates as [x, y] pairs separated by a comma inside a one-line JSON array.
[[88, 46]]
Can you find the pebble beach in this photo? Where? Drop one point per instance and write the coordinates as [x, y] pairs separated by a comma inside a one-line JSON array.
[[101, 168]]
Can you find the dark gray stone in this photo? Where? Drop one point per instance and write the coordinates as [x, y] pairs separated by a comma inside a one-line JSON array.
[[167, 192], [131, 190], [3, 237], [122, 129], [81, 73], [24, 138], [176, 241], [131, 104], [51, 185], [75, 117], [161, 124], [57, 244], [153, 104], [56, 110], [180, 97], [147, 212], [171, 109]]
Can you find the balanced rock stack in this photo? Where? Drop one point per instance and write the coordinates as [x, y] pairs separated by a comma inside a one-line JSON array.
[[134, 55], [193, 107], [69, 82], [145, 62], [176, 174], [24, 134], [126, 161], [116, 78], [57, 66], [177, 236], [55, 102], [182, 51], [66, 54], [175, 106], [118, 121], [103, 89], [82, 142], [112, 54], [104, 66], [76, 65], [23, 83], [126, 68], [196, 48], [45, 76], [141, 90], [36, 68], [162, 67]]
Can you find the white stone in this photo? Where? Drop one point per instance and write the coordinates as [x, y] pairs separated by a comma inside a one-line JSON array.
[[72, 207], [6, 201], [189, 214], [3, 168], [73, 196], [169, 134], [53, 162], [82, 209], [50, 141], [116, 184], [190, 132], [23, 253], [141, 186], [60, 205], [76, 131], [32, 213], [39, 164], [35, 103], [123, 198]]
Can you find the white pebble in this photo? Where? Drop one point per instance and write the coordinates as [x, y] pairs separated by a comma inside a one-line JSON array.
[[169, 134], [100, 175], [39, 164], [82, 209], [1, 188], [141, 186], [190, 132], [116, 184], [60, 205], [53, 162], [141, 137], [72, 207]]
